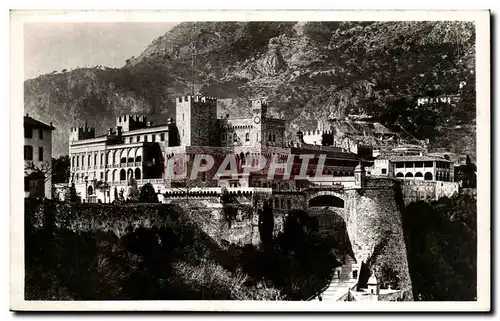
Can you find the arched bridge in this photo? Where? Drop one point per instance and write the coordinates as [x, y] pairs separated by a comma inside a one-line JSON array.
[[333, 196]]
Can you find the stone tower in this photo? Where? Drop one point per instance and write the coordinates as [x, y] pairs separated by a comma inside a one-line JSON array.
[[196, 120]]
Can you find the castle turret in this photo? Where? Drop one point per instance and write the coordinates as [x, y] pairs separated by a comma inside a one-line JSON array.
[[359, 176], [78, 133], [372, 284], [259, 108]]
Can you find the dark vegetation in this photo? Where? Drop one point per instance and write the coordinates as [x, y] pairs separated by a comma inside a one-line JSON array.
[[441, 240], [178, 260], [175, 261], [307, 72]]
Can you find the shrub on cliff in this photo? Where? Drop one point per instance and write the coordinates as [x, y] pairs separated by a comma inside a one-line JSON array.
[[148, 194]]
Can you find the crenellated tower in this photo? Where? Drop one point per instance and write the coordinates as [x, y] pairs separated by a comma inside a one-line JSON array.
[[78, 133], [196, 118]]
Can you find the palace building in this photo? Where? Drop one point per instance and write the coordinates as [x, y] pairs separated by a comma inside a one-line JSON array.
[[101, 166]]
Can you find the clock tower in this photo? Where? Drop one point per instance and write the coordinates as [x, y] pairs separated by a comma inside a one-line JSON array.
[[259, 110]]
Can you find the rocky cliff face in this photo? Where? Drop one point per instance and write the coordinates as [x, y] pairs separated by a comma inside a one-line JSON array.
[[306, 70]]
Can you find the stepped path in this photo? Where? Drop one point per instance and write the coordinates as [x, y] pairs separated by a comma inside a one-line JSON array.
[[344, 277]]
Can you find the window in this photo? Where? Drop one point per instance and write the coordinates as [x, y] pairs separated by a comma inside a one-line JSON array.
[[162, 136], [289, 204], [223, 138], [182, 117], [153, 138], [41, 133], [270, 138], [247, 137], [428, 164], [102, 175], [274, 138], [28, 132], [40, 153], [400, 165], [182, 132], [138, 138], [28, 152], [384, 170], [235, 138], [146, 138], [95, 159], [131, 140]]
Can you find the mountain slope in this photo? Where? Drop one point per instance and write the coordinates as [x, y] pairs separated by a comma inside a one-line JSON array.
[[306, 70]]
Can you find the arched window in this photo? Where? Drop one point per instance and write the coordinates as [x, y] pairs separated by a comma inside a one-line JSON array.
[[77, 177], [116, 156], [274, 138], [419, 175], [130, 173], [270, 138], [409, 175], [90, 190], [73, 161], [114, 178], [223, 137], [235, 138], [88, 160], [428, 176], [83, 161], [77, 161], [95, 159], [399, 175], [102, 159], [123, 156], [247, 137], [137, 173], [123, 175], [138, 155], [108, 176]]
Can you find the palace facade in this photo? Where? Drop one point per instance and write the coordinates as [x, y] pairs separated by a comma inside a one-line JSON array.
[[101, 166]]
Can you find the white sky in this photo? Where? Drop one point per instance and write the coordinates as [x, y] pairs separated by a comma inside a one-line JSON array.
[[57, 46]]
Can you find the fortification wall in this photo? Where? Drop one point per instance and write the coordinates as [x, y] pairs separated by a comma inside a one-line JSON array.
[[375, 229], [414, 190]]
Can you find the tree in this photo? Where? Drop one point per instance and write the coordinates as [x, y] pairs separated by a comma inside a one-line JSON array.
[[43, 170], [148, 194], [60, 169], [71, 195]]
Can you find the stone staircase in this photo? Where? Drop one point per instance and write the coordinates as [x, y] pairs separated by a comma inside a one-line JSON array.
[[343, 278]]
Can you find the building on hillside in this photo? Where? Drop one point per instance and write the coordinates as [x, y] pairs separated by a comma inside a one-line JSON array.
[[362, 135], [101, 166], [411, 167], [37, 158]]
